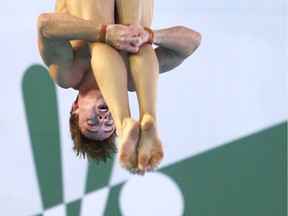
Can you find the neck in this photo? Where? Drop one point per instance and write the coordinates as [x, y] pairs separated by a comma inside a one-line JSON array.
[[88, 84]]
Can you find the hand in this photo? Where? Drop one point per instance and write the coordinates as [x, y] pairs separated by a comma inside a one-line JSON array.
[[142, 34], [125, 38]]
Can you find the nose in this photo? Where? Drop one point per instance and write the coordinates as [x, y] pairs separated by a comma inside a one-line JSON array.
[[102, 118]]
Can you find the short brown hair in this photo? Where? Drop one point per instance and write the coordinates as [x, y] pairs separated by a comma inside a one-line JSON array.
[[95, 150]]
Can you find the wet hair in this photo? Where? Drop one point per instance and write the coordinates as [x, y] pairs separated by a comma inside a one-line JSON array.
[[94, 150]]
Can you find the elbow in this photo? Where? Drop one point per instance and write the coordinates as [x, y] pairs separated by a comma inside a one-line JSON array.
[[195, 41], [43, 23], [64, 84]]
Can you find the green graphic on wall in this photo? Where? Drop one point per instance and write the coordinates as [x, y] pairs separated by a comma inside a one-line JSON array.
[[246, 177]]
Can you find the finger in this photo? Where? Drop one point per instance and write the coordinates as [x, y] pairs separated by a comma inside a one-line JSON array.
[[133, 31], [132, 49], [137, 27], [133, 27], [135, 41]]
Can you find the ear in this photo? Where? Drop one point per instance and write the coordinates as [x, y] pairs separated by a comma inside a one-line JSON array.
[[74, 108]]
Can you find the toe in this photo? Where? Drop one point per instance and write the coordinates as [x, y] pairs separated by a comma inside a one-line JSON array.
[[126, 162], [143, 160], [151, 169], [141, 173], [123, 159], [133, 171], [155, 161]]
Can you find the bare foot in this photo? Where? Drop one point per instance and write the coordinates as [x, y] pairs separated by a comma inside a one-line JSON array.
[[128, 145], [150, 146]]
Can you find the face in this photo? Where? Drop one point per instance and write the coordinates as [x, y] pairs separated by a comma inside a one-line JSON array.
[[95, 119]]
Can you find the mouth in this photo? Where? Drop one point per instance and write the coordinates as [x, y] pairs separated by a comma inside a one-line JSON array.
[[103, 107]]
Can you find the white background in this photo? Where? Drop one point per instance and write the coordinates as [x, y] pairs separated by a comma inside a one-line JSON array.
[[234, 85]]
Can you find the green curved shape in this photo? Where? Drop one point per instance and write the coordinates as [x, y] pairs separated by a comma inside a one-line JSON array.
[[98, 175], [112, 207], [244, 177], [40, 100], [73, 208]]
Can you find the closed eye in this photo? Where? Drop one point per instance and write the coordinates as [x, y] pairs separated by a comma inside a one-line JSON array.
[[92, 122]]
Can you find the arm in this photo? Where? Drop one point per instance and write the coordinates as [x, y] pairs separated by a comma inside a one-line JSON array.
[[63, 26], [68, 61], [174, 46]]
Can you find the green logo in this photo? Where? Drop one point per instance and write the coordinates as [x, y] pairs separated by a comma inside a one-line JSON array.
[[245, 178], [40, 99]]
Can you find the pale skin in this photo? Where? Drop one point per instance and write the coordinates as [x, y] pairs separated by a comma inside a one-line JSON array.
[[76, 72], [140, 147], [109, 68]]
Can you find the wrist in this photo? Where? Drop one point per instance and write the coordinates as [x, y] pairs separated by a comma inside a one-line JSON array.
[[157, 37], [103, 31], [151, 35]]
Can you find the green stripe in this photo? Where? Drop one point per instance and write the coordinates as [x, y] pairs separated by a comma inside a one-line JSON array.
[[112, 207], [73, 208], [98, 175], [42, 115], [246, 177]]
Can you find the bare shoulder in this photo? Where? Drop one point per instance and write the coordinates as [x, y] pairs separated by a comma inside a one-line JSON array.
[[69, 74]]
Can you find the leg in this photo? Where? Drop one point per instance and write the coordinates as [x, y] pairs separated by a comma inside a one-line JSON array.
[[145, 76], [100, 11], [111, 75], [144, 70]]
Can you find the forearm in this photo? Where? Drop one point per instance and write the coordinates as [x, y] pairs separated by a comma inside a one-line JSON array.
[[62, 26], [180, 40]]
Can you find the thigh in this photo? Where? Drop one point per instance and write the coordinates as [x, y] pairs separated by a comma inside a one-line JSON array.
[[135, 11], [100, 11]]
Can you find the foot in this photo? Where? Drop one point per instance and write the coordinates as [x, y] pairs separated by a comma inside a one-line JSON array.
[[150, 146], [128, 145]]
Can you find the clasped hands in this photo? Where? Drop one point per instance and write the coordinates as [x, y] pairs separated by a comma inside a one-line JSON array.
[[128, 38]]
